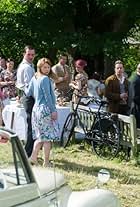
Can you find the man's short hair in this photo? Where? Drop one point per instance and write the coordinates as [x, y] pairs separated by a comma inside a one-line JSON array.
[[29, 47], [118, 62], [10, 60], [63, 54]]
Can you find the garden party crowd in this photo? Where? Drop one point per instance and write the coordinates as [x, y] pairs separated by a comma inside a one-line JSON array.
[[40, 90]]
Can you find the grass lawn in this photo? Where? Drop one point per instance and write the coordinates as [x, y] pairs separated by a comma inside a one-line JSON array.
[[81, 167]]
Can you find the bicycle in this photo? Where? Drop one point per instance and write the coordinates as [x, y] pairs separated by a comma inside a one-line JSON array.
[[103, 135]]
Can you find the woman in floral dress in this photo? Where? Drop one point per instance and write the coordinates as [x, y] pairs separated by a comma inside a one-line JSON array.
[[44, 115], [80, 83], [8, 79]]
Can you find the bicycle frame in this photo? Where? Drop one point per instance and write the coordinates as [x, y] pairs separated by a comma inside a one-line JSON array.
[[102, 134], [97, 118]]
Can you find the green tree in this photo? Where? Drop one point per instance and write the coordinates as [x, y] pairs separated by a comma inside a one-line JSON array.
[[93, 29]]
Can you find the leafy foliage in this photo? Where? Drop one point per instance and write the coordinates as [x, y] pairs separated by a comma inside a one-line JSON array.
[[90, 27]]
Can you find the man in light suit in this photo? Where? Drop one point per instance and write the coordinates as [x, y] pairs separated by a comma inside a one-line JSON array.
[[62, 76]]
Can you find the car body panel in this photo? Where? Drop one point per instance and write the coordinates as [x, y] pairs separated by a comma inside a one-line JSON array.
[[93, 198], [18, 194], [48, 179], [22, 185]]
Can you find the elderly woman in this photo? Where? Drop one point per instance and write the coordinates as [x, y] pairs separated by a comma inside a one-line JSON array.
[[80, 83]]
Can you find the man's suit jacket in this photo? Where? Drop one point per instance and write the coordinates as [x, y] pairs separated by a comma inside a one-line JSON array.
[[112, 92], [59, 71]]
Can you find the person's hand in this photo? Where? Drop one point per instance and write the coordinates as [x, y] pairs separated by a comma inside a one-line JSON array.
[[124, 96], [54, 116], [66, 76], [73, 82], [17, 98], [61, 79], [70, 84], [11, 82], [6, 83]]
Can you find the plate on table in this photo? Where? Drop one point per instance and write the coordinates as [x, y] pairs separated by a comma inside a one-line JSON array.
[[20, 106], [67, 104], [64, 104], [12, 100]]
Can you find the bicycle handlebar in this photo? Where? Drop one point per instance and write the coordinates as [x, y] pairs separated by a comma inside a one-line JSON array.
[[100, 101], [92, 99]]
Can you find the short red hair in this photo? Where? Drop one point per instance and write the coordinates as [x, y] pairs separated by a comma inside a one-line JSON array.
[[81, 63]]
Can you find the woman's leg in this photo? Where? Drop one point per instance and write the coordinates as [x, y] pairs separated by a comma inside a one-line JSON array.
[[36, 148], [1, 116], [47, 149]]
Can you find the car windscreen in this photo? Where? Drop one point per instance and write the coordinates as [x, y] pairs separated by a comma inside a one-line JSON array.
[[10, 163]]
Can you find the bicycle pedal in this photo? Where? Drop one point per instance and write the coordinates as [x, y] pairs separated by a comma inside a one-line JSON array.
[[96, 131], [89, 134]]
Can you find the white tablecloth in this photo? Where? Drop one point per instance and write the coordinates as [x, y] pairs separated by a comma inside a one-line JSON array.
[[19, 125], [14, 118], [63, 112]]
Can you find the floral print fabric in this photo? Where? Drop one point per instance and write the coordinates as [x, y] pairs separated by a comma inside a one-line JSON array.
[[83, 79], [8, 90], [43, 128]]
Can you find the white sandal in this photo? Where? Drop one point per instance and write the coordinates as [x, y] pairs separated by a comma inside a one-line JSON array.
[[48, 164], [33, 162]]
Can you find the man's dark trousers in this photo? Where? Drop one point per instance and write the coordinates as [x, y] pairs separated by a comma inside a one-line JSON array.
[[28, 103]]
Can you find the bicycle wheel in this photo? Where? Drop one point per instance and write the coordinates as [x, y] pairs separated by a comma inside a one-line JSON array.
[[106, 139], [67, 131]]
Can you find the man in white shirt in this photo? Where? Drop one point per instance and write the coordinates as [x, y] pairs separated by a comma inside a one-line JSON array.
[[25, 72]]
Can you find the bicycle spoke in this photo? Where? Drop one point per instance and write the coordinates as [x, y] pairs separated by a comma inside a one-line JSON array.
[[67, 130], [106, 139]]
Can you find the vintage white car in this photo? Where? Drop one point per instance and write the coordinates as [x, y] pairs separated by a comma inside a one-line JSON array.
[[26, 186]]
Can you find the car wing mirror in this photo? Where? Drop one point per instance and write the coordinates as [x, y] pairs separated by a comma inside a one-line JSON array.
[[103, 177]]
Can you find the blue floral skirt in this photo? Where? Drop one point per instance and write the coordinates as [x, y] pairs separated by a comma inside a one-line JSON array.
[[43, 128]]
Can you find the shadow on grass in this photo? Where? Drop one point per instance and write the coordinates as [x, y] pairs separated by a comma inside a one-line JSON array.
[[123, 178]]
